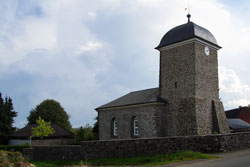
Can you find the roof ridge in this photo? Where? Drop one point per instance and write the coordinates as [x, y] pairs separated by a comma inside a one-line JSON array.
[[143, 90]]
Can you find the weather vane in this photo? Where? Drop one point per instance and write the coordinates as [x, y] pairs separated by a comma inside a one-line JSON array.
[[188, 15]]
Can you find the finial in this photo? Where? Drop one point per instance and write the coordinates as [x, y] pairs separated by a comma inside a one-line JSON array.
[[188, 15]]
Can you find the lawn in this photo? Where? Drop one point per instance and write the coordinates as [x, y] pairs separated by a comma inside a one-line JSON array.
[[141, 160]]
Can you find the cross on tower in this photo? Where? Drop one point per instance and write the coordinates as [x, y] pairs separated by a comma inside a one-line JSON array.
[[188, 15]]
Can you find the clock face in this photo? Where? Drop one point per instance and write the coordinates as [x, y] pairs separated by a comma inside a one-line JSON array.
[[207, 51]]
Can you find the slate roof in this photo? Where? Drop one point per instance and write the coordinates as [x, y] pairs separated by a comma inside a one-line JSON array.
[[137, 97], [25, 132], [187, 31], [238, 124], [234, 112]]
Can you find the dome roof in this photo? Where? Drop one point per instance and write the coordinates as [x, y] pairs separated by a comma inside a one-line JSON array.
[[187, 31]]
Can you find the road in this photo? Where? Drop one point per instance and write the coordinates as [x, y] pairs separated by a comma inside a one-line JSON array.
[[232, 159]]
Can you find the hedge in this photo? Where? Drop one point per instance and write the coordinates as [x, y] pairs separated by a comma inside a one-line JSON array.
[[14, 147]]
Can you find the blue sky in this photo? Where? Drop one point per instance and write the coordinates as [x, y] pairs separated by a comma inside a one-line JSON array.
[[84, 53]]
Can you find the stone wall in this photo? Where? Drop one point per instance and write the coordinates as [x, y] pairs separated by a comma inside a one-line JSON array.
[[46, 142], [149, 121], [137, 147]]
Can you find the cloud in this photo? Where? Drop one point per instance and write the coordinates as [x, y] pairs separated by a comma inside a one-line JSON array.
[[92, 15], [233, 91], [238, 102], [89, 46], [40, 50]]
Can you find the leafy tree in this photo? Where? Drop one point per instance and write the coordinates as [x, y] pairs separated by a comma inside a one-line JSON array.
[[88, 132], [43, 129], [7, 115], [84, 134], [50, 111], [79, 135]]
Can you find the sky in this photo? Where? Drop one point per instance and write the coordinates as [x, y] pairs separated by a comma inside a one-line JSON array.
[[85, 53]]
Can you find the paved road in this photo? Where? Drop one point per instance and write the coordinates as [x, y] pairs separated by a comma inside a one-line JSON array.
[[233, 159]]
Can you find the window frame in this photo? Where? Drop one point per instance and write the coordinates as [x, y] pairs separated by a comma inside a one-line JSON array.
[[114, 128], [135, 127]]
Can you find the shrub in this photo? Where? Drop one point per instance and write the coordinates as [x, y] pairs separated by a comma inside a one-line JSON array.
[[14, 147]]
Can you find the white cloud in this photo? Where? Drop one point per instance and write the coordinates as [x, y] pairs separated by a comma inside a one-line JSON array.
[[233, 91], [238, 102], [89, 46], [92, 15], [230, 82], [26, 36]]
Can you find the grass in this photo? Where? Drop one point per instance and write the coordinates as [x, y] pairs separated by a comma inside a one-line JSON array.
[[141, 160]]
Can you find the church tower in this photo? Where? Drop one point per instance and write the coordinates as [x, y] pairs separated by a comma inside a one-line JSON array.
[[189, 82]]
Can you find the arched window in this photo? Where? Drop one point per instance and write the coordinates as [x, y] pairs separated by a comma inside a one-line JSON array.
[[114, 128], [135, 126]]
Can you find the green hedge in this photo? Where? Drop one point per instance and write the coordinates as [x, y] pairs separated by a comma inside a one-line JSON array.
[[14, 147]]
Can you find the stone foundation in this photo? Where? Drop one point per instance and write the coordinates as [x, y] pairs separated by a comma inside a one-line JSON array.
[[137, 147]]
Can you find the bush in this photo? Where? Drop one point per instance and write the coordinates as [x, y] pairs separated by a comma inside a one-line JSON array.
[[14, 147]]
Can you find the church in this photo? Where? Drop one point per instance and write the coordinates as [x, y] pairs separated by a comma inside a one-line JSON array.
[[187, 99]]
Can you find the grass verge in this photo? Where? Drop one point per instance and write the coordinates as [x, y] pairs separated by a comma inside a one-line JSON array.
[[141, 160]]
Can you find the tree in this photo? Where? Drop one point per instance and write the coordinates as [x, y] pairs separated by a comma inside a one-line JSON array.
[[50, 111], [84, 134], [88, 132], [43, 129], [79, 135], [7, 115]]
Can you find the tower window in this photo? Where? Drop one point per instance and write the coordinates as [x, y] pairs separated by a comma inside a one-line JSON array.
[[175, 85], [135, 127], [114, 127]]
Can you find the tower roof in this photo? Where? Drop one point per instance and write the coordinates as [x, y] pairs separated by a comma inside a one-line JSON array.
[[187, 31]]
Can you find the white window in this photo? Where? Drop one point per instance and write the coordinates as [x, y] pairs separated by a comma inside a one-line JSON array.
[[136, 127], [115, 127]]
